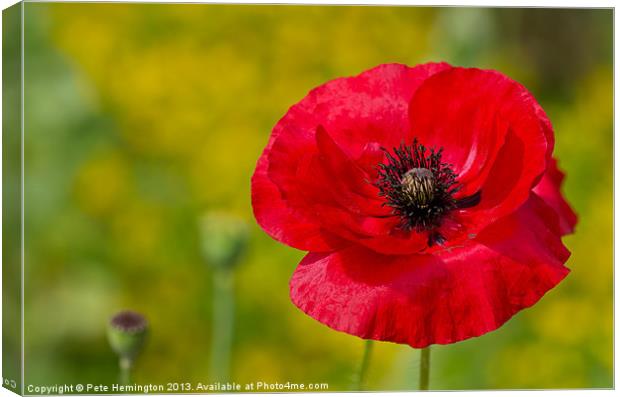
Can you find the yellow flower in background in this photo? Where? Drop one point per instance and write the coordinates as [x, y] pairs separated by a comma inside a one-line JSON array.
[[102, 184]]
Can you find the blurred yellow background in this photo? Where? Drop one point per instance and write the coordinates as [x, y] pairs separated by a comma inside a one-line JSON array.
[[141, 117]]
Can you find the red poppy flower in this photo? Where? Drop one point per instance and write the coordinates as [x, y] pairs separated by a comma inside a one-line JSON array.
[[427, 197]]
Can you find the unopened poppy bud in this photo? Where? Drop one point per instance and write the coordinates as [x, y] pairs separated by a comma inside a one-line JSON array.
[[224, 239], [126, 333]]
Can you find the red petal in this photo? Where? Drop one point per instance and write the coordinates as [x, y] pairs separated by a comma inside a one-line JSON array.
[[344, 178], [335, 190], [284, 223], [493, 132], [370, 107], [419, 300], [340, 194], [549, 190]]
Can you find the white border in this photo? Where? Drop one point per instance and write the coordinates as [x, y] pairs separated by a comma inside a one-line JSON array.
[[479, 3], [441, 3]]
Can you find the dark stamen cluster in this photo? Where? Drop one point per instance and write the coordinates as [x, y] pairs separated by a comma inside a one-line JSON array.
[[418, 186]]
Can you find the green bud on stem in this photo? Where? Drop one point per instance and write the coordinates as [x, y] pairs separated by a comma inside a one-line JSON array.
[[224, 239], [126, 333]]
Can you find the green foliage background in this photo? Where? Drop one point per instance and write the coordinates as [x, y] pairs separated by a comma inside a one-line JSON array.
[[141, 117]]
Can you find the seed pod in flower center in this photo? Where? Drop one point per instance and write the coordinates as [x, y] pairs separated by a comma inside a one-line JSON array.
[[419, 185]]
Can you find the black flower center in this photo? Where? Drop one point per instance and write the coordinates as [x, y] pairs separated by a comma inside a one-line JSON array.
[[420, 188]]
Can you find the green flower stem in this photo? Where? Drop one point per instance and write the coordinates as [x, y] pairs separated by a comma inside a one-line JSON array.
[[125, 364], [425, 367], [360, 376], [223, 323]]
